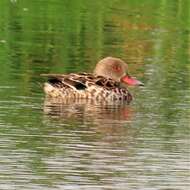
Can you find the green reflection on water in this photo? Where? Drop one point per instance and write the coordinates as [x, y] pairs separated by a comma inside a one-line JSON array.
[[70, 36]]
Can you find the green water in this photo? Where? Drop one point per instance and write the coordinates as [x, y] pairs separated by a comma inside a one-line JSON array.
[[79, 145]]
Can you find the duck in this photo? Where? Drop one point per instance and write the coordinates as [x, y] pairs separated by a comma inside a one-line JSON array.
[[108, 82]]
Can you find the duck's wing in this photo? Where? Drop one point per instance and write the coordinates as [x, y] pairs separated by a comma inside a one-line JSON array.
[[65, 81], [100, 81], [80, 81]]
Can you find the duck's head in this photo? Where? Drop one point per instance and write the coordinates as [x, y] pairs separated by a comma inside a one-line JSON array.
[[115, 69]]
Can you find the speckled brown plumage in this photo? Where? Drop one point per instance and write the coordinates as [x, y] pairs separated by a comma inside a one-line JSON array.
[[91, 86]]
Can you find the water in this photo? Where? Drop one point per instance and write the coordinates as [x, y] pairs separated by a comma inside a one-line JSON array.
[[85, 145]]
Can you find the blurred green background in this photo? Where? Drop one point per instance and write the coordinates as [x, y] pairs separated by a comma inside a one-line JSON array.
[[140, 146]]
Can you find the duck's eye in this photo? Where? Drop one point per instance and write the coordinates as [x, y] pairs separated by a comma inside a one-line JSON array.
[[116, 68]]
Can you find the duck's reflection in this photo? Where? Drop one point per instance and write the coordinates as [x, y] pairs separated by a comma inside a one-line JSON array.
[[80, 110]]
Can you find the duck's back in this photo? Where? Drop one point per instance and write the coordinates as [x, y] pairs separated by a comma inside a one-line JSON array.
[[84, 85]]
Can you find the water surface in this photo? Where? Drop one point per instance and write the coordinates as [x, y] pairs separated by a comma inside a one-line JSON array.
[[88, 145]]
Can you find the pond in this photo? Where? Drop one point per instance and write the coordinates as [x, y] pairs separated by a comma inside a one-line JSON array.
[[84, 145]]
